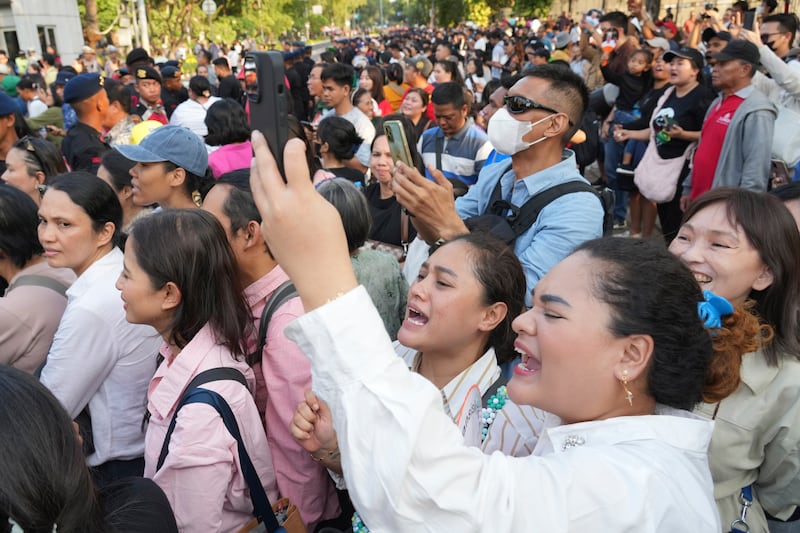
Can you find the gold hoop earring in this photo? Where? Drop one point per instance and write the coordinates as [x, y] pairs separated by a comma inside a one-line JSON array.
[[628, 394]]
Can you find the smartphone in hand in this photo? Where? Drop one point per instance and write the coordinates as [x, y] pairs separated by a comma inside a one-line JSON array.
[[398, 144], [268, 95]]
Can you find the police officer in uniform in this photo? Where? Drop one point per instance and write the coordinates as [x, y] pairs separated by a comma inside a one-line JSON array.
[[84, 146], [148, 99], [173, 93]]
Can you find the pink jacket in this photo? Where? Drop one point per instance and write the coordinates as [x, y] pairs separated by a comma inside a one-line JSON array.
[[202, 475], [230, 157], [284, 377]]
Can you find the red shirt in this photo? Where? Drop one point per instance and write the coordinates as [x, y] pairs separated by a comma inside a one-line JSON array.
[[706, 158]]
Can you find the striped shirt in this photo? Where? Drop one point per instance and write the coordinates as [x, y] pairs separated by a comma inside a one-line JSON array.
[[463, 153], [456, 398]]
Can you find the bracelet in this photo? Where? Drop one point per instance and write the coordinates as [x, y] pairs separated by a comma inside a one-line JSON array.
[[328, 455]]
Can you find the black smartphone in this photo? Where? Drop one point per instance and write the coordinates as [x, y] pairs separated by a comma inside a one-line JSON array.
[[749, 20], [269, 100], [398, 143]]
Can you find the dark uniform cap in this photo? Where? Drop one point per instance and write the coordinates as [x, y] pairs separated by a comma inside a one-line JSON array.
[[82, 87], [172, 63], [7, 104], [137, 55], [64, 76], [146, 73], [171, 72]]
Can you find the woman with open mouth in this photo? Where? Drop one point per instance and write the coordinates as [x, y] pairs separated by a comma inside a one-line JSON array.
[[745, 246], [619, 359]]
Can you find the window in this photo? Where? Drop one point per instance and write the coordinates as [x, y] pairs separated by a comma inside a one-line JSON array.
[[11, 44], [47, 37]]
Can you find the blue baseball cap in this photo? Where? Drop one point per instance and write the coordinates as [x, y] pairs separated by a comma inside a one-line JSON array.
[[176, 144], [64, 76], [7, 104], [82, 86]]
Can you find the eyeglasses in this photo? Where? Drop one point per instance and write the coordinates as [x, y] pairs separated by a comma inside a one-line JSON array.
[[517, 104], [765, 36]]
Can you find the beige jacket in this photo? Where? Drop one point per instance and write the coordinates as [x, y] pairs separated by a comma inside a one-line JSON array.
[[756, 441]]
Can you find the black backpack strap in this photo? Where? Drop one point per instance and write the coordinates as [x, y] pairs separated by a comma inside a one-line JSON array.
[[491, 391], [439, 150], [214, 374], [262, 509], [285, 292], [33, 280], [530, 210]]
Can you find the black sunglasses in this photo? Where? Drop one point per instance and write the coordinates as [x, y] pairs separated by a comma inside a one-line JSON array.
[[517, 104]]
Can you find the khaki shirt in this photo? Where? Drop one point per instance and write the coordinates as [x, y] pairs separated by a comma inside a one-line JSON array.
[[756, 441]]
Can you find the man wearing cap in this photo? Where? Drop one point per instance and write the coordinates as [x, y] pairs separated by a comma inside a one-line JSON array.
[[83, 146], [8, 134], [561, 53], [714, 42], [113, 62], [148, 102], [173, 93], [734, 149], [296, 85], [67, 112], [89, 60], [228, 86], [138, 57]]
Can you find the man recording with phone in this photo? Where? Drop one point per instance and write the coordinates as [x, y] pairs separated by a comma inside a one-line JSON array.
[[540, 115]]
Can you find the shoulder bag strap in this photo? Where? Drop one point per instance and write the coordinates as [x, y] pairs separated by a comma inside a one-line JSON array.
[[262, 508], [285, 292], [33, 280], [439, 150], [214, 374], [530, 210]]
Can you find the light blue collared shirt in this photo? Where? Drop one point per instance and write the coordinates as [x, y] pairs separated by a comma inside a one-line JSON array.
[[562, 225]]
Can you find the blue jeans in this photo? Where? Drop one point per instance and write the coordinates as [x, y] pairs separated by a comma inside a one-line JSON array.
[[614, 151]]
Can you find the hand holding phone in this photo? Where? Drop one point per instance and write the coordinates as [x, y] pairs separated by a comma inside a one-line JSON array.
[[269, 99], [398, 143]]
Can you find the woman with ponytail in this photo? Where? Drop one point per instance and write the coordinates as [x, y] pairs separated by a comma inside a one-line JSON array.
[[745, 247], [99, 365]]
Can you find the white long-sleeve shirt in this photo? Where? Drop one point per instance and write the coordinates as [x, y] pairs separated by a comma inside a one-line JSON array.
[[101, 360], [408, 469]]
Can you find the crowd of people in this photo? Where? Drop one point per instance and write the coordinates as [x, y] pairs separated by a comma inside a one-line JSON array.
[[193, 340]]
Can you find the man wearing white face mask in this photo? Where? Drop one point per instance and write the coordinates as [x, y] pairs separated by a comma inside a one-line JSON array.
[[539, 117]]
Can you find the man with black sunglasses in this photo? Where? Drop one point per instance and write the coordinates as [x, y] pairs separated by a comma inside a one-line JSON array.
[[540, 114]]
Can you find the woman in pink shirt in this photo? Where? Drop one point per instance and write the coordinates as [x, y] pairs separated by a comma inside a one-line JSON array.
[[179, 277], [228, 129]]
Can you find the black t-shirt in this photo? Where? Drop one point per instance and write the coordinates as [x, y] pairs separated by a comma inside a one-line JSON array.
[[137, 505], [386, 217], [229, 88], [83, 148], [351, 174], [687, 112], [171, 99], [647, 105]]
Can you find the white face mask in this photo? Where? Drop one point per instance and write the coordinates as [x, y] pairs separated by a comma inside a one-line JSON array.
[[506, 132]]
